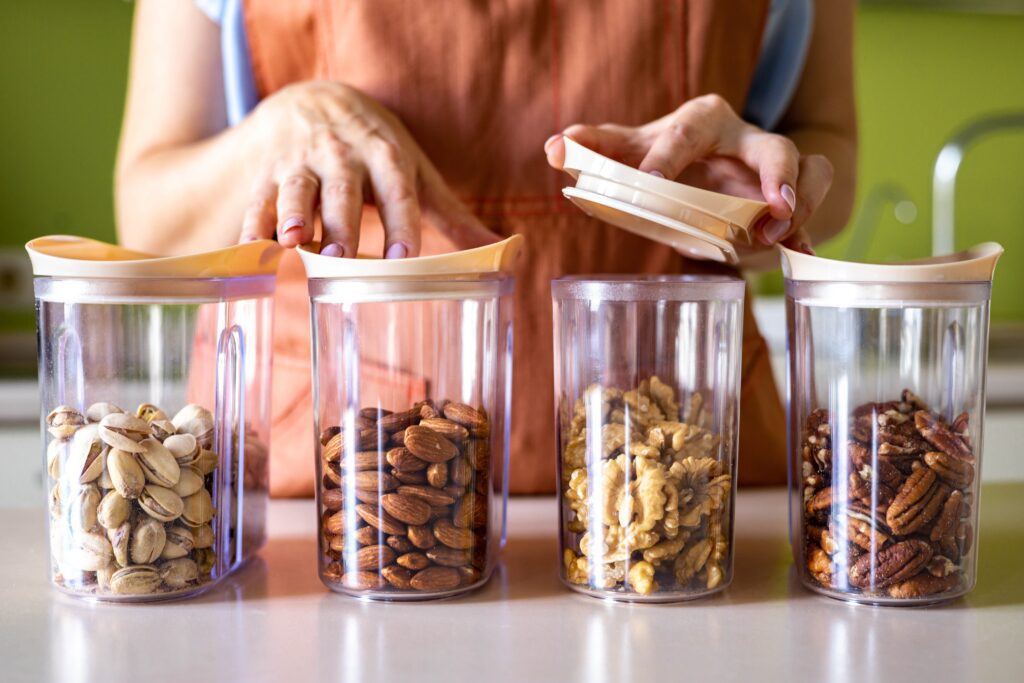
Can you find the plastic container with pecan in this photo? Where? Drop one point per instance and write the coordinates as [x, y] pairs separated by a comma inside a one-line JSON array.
[[647, 384], [887, 379]]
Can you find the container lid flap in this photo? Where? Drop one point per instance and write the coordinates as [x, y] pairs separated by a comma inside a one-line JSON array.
[[976, 264], [491, 258], [81, 257]]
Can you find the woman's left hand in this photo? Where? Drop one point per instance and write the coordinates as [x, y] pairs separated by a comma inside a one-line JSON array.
[[706, 144]]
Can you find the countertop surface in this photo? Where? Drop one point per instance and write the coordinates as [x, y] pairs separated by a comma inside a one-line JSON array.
[[274, 621]]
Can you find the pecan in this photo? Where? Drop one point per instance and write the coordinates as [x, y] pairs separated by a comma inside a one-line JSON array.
[[961, 426], [880, 468], [956, 472], [819, 564], [822, 500], [860, 489], [914, 401], [924, 584], [917, 502], [864, 534], [824, 539], [939, 435], [894, 564], [944, 530]]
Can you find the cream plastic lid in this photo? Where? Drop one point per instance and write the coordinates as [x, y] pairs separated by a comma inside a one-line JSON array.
[[697, 222], [80, 257], [976, 264], [491, 258]]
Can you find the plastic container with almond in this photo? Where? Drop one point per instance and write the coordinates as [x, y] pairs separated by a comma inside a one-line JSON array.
[[887, 398], [411, 372]]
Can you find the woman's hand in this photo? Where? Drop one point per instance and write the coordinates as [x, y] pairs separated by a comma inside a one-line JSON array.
[[329, 149], [705, 143]]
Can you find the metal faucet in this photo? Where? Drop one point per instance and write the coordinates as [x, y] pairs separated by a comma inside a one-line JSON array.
[[947, 165], [878, 198]]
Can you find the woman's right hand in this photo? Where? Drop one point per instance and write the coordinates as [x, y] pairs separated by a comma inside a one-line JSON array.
[[330, 149]]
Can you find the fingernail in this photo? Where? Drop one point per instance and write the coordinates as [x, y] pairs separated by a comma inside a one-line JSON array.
[[248, 238], [293, 223], [551, 140], [774, 230], [333, 249], [806, 248], [787, 193], [657, 174], [396, 250]]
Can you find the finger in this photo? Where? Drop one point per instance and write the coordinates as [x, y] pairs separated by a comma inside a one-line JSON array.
[[776, 160], [297, 195], [450, 215], [260, 215], [621, 143], [393, 179], [800, 240], [814, 178], [696, 129], [341, 208]]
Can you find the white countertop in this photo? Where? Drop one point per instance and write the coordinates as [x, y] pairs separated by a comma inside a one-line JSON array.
[[274, 621]]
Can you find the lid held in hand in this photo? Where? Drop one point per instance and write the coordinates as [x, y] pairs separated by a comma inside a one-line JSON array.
[[699, 223]]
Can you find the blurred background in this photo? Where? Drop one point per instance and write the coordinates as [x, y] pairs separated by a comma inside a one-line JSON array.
[[930, 74]]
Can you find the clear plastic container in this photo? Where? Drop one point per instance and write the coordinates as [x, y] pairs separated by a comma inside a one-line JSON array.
[[647, 380], [411, 392], [156, 418], [887, 401]]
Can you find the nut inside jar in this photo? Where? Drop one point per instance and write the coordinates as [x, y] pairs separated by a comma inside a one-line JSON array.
[[645, 493], [887, 511], [404, 500]]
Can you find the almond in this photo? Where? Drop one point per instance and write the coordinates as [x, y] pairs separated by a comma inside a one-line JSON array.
[[467, 416], [454, 490], [439, 511], [460, 472], [335, 446], [398, 438], [434, 579], [399, 577], [437, 475], [373, 557], [422, 537], [363, 580], [368, 496], [431, 495], [400, 544], [369, 480], [331, 499], [470, 512], [365, 460], [367, 535], [332, 572], [405, 508], [379, 519], [414, 561], [452, 536], [328, 434], [337, 543], [398, 421], [448, 557], [413, 478], [426, 444], [401, 459], [371, 413], [335, 524], [332, 475], [428, 411], [446, 428], [469, 575], [478, 453]]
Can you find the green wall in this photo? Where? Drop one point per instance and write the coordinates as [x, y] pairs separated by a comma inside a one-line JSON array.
[[920, 75]]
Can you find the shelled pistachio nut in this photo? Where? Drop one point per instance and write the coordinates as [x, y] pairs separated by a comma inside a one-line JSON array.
[[189, 482], [198, 508], [135, 580], [202, 536], [180, 543], [123, 431], [180, 572], [86, 456], [158, 463], [206, 462], [196, 420], [56, 452], [161, 503], [148, 539], [161, 429], [104, 574], [120, 538], [98, 411], [183, 447], [125, 473], [90, 552], [150, 412], [84, 507], [113, 510], [64, 421]]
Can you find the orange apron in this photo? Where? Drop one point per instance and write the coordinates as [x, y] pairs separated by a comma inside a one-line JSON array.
[[481, 85]]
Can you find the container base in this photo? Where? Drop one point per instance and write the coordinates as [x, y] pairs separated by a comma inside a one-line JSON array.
[[404, 596], [883, 601], [655, 598]]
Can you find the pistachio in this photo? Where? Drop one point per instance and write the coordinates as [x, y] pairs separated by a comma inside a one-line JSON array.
[[135, 580], [203, 536], [207, 462], [195, 420], [113, 510], [98, 411], [189, 481], [183, 447], [120, 538], [64, 421], [148, 539], [104, 575], [105, 482], [125, 473], [83, 507], [161, 503], [56, 452], [178, 573], [90, 552], [158, 463], [205, 558], [179, 543], [198, 508], [123, 431], [55, 504], [161, 429], [150, 412], [86, 457]]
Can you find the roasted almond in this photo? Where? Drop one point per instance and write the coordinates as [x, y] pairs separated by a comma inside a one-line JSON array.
[[398, 438], [428, 493], [337, 543], [365, 460], [452, 536], [446, 428], [414, 561], [437, 475], [372, 557], [426, 444], [335, 524], [470, 512], [406, 508], [398, 421], [459, 472], [448, 557], [335, 446], [422, 536], [469, 575], [401, 459], [399, 577], [363, 580], [435, 579], [400, 544], [439, 511], [467, 416], [478, 453], [329, 433], [379, 519], [332, 473], [372, 413], [413, 478], [370, 480], [331, 499], [367, 535]]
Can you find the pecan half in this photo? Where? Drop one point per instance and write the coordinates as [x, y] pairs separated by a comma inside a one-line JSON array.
[[822, 500], [918, 501], [924, 584], [944, 530], [860, 489], [894, 564], [939, 435], [864, 534], [819, 564], [961, 426], [956, 472]]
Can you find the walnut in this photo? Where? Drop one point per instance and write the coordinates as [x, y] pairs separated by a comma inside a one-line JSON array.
[[641, 578], [666, 549], [612, 492], [575, 567], [613, 437], [665, 397], [709, 488], [692, 560]]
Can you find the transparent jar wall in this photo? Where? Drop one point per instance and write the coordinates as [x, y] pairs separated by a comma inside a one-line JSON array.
[[204, 360], [647, 377], [886, 408], [411, 387]]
